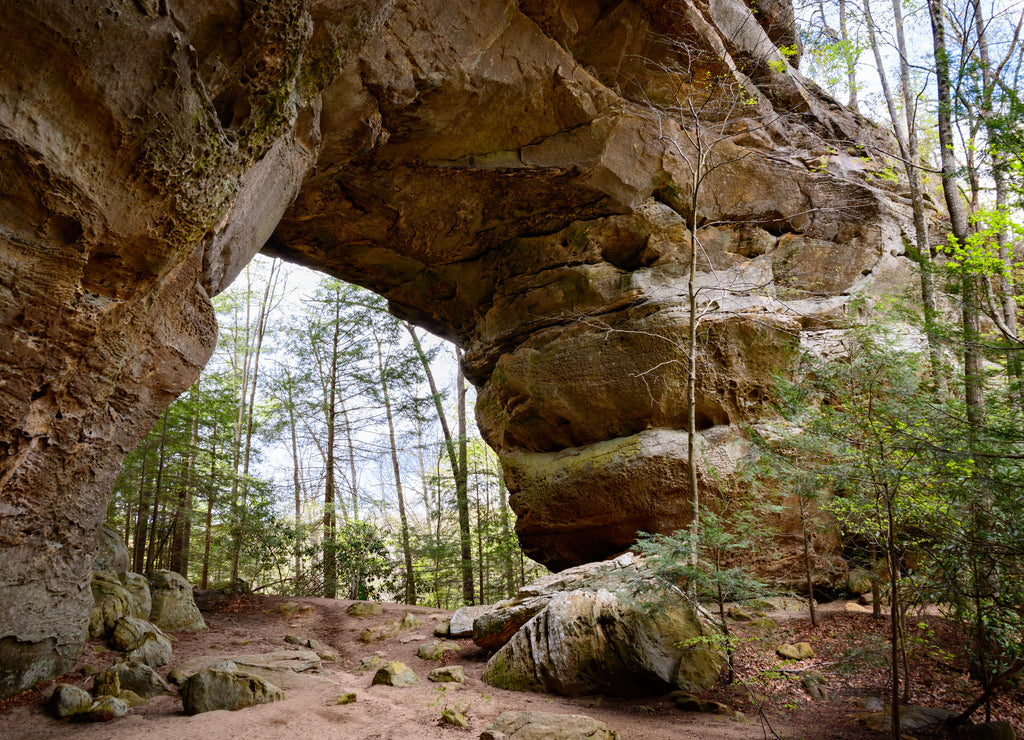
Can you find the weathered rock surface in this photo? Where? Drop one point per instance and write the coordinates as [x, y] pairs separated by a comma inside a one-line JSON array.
[[111, 602], [174, 606], [503, 184], [547, 726], [111, 552], [591, 635], [132, 676], [67, 700], [394, 673], [141, 641], [226, 688]]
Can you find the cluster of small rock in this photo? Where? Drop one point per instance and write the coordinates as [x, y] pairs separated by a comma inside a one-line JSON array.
[[132, 612]]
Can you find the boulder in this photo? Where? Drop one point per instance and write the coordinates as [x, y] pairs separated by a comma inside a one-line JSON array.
[[461, 622], [394, 673], [67, 700], [436, 649], [447, 674], [588, 642], [129, 630], [226, 688], [364, 609], [547, 726], [136, 677], [138, 586], [795, 651], [111, 602], [104, 709], [174, 607], [152, 649], [111, 551]]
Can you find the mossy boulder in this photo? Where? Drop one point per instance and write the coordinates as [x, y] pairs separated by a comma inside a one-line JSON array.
[[225, 687], [547, 726], [394, 673], [436, 649], [364, 609], [174, 607]]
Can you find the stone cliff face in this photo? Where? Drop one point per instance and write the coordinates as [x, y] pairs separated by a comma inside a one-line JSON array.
[[508, 174]]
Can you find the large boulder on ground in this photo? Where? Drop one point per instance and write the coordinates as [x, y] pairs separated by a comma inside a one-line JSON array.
[[226, 687], [547, 726], [174, 607], [594, 639], [111, 551], [111, 602]]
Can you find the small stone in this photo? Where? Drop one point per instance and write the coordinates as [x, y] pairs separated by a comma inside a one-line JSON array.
[[130, 698], [347, 698], [447, 674], [363, 609], [288, 607], [454, 718], [293, 640], [106, 683], [240, 641], [394, 673], [442, 629], [68, 700], [314, 645], [105, 709], [795, 651], [814, 684], [436, 649], [328, 656], [372, 663], [177, 676], [381, 632], [409, 622]]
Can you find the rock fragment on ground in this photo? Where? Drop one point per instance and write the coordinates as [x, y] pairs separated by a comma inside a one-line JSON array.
[[795, 651], [447, 674], [364, 609], [68, 700], [394, 673], [436, 649]]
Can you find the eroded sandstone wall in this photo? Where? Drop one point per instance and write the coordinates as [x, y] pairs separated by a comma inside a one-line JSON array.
[[492, 167]]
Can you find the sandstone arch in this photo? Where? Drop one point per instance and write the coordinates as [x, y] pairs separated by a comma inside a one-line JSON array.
[[479, 162]]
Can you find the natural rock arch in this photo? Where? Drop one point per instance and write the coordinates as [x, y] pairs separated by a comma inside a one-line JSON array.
[[478, 162]]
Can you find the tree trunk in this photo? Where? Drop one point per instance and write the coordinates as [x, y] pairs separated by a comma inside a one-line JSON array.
[[330, 494], [974, 394], [410, 576], [142, 516], [462, 493], [204, 581], [183, 515], [151, 551]]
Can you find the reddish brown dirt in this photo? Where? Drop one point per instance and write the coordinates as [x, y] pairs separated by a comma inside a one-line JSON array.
[[847, 652]]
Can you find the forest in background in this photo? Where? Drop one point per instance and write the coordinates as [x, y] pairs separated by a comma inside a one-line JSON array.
[[325, 450]]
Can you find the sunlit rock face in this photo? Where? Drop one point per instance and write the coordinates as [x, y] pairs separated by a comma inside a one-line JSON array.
[[494, 168]]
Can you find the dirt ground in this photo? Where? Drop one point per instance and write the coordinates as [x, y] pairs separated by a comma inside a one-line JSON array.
[[256, 624]]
